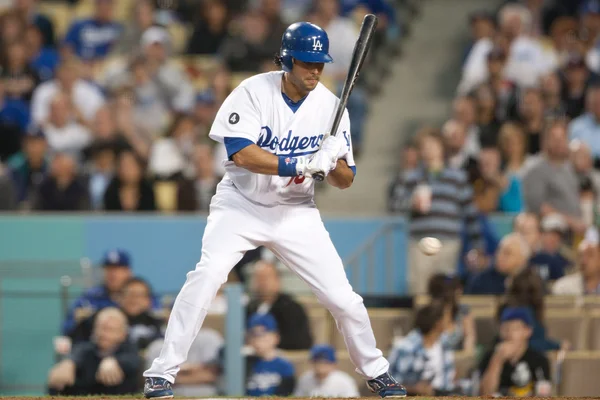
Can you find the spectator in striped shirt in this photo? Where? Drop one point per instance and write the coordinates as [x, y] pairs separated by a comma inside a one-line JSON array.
[[438, 200]]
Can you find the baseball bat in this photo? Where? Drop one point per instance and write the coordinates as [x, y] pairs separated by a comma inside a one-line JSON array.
[[361, 48]]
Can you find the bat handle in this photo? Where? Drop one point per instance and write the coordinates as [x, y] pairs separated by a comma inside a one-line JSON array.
[[318, 176]]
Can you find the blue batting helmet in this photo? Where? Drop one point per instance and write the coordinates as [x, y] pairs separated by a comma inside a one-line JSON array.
[[305, 42]]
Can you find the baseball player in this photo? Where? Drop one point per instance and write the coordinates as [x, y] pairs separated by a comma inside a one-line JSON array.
[[275, 129]]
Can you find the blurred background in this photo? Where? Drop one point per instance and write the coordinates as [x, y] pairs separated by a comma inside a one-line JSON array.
[[474, 121]]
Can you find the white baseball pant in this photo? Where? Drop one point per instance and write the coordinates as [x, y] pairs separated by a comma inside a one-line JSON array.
[[297, 236]]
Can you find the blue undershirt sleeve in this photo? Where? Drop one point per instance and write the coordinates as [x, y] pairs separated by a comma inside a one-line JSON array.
[[233, 145], [353, 168]]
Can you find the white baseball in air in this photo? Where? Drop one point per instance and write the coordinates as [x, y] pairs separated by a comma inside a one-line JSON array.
[[430, 246]]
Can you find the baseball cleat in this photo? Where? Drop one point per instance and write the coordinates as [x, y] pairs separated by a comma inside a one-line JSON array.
[[158, 388], [386, 386]]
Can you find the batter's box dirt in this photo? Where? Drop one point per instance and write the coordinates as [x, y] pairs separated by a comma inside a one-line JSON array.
[[276, 398]]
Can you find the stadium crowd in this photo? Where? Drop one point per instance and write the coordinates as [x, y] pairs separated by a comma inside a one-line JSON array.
[[106, 105]]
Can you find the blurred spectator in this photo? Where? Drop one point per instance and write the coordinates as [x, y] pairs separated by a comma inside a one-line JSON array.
[[551, 186], [63, 189], [493, 190], [531, 114], [460, 331], [586, 128], [108, 365], [121, 124], [482, 25], [455, 140], [464, 110], [141, 18], [512, 368], [267, 373], [423, 360], [135, 301], [210, 28], [64, 133], [247, 48], [28, 10], [409, 157], [576, 78], [271, 10], [526, 61], [92, 39], [198, 376], [324, 379], [29, 167], [171, 157], [528, 225], [196, 193], [85, 97], [504, 89], [487, 119], [438, 199], [100, 171], [549, 260], [8, 195], [527, 290], [18, 77], [116, 267], [44, 60], [292, 321], [589, 179], [586, 281], [12, 28], [511, 258], [204, 112], [552, 88], [14, 121], [512, 144], [129, 190]]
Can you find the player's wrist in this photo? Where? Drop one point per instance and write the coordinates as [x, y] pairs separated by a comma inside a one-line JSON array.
[[291, 166]]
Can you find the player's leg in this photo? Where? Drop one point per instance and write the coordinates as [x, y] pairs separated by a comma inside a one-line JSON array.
[[304, 245], [232, 229]]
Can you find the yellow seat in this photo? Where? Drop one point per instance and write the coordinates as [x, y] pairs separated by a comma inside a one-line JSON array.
[[179, 37], [562, 302], [84, 9], [59, 14], [166, 196]]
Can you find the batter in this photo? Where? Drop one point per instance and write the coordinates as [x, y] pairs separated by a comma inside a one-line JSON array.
[[275, 128]]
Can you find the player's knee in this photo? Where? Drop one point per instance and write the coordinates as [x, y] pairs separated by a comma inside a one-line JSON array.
[[342, 302]]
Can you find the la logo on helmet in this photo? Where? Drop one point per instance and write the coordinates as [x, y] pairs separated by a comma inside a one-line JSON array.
[[317, 44]]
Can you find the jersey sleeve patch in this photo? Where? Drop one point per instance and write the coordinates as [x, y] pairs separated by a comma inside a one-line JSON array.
[[235, 144]]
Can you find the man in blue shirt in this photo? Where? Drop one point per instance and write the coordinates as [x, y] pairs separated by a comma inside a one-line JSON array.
[[117, 271], [549, 260], [267, 373], [587, 126], [92, 39]]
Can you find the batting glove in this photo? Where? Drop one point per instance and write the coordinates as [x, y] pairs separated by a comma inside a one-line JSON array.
[[335, 146], [323, 162]]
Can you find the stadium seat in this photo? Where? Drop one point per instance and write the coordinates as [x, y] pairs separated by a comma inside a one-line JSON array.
[[59, 14], [179, 34], [320, 324], [216, 322], [300, 359], [568, 325], [578, 374], [593, 330], [123, 9], [83, 9], [480, 302], [387, 324], [592, 302], [562, 302], [485, 326], [166, 196]]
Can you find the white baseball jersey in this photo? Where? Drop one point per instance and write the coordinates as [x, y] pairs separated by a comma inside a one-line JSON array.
[[257, 111]]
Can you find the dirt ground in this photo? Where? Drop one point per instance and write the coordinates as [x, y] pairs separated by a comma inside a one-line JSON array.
[[275, 398]]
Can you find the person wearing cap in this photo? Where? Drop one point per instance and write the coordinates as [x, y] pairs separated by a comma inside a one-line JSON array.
[[586, 127], [512, 368], [93, 38], [324, 379], [267, 374], [117, 270], [586, 281], [423, 360], [550, 259], [29, 167]]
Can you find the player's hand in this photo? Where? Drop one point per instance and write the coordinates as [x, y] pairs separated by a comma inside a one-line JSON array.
[[62, 375], [109, 372], [335, 145], [323, 162]]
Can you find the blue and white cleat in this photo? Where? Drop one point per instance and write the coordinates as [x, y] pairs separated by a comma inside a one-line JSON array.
[[158, 388], [386, 386]]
